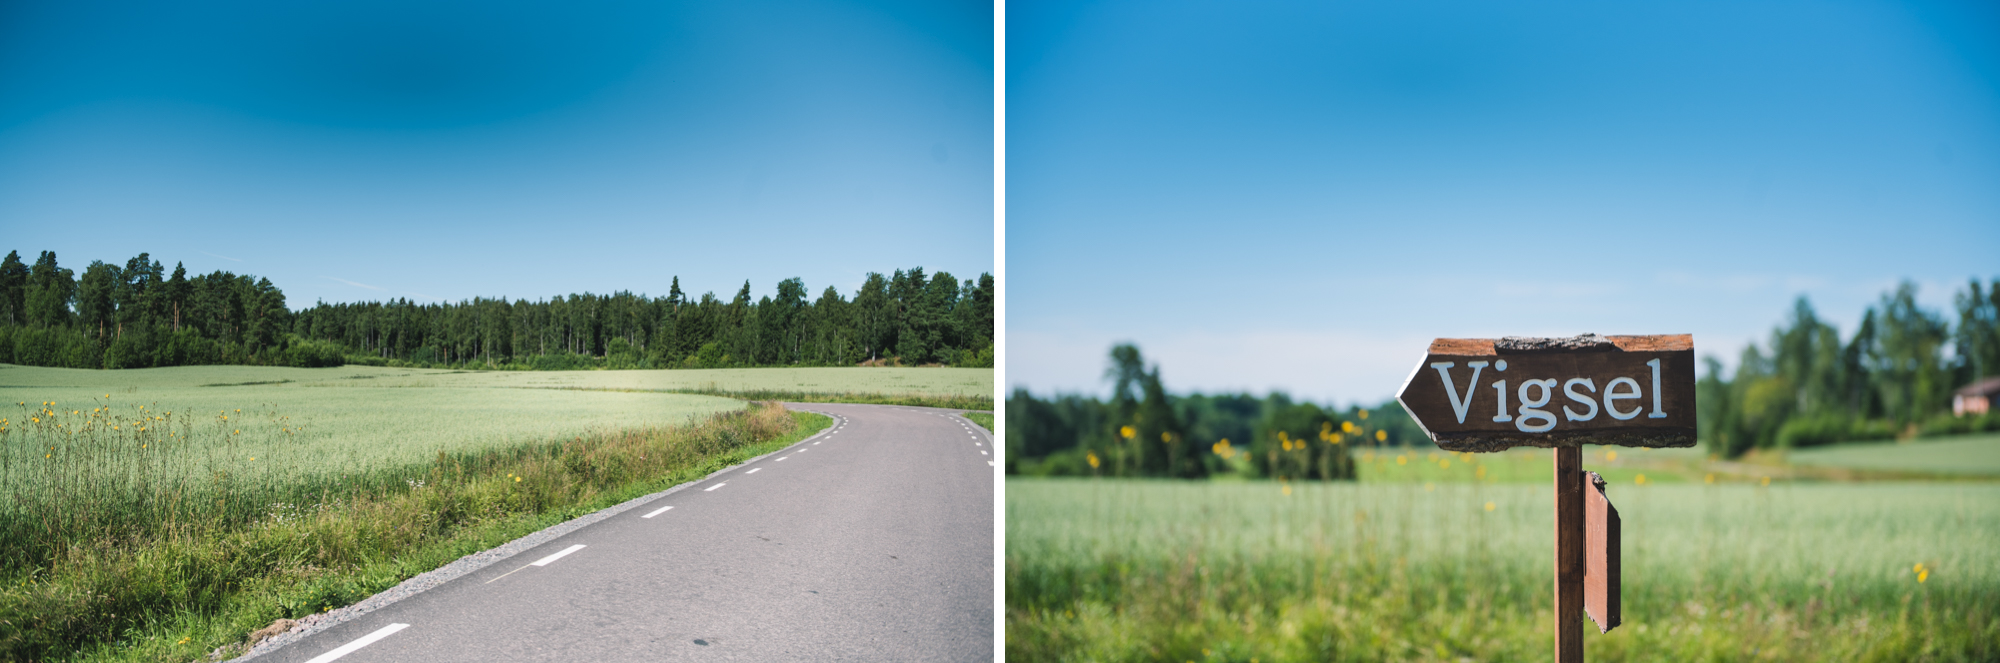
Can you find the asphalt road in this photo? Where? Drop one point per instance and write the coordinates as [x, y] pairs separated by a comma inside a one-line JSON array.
[[872, 541]]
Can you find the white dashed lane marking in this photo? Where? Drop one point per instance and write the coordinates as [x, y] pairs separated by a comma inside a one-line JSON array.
[[551, 558], [712, 488], [753, 470], [658, 511], [363, 641]]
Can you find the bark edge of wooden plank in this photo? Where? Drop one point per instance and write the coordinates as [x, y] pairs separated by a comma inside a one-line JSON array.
[[1601, 564]]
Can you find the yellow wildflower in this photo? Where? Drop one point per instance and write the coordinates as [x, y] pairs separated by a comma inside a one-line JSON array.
[[1489, 506]]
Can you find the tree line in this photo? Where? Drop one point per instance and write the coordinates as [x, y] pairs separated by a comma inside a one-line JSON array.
[[1808, 385], [138, 315], [1142, 430], [1893, 377]]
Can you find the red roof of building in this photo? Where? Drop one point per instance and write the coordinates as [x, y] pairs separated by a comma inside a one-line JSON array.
[[1986, 387]]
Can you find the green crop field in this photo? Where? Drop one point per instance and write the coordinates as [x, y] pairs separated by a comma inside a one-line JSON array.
[[1961, 454], [205, 501], [92, 453], [824, 380], [1138, 570]]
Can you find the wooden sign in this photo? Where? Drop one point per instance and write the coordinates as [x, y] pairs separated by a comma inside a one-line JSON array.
[[1473, 394], [1600, 551]]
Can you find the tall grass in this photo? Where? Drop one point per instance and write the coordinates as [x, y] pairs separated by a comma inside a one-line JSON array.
[[121, 520], [1150, 570]]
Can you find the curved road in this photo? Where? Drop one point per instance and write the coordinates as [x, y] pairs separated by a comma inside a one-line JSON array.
[[872, 541]]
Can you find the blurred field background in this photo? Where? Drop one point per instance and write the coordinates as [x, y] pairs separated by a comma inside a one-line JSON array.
[[1153, 570]]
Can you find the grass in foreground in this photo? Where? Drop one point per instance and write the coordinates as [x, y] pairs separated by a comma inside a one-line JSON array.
[[1110, 570], [984, 419], [197, 581]]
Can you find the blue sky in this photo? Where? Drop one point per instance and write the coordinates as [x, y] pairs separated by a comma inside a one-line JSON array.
[[1299, 196], [445, 150]]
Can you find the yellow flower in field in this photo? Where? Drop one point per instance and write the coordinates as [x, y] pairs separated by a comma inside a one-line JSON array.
[[1381, 436], [1489, 506], [236, 432], [1402, 460], [517, 479], [1092, 457], [253, 458], [1428, 486], [1127, 432], [1709, 479], [1641, 480], [1765, 481], [1347, 427], [1166, 437], [1480, 472], [1611, 455], [1288, 489], [1364, 415], [1444, 464], [35, 419]]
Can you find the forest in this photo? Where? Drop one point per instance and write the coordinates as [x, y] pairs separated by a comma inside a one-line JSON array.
[[1143, 430], [139, 315], [1892, 378]]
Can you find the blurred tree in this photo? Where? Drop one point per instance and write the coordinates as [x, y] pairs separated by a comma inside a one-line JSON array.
[[1978, 337]]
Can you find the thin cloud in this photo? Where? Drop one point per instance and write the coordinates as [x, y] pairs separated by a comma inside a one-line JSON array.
[[223, 257], [357, 285]]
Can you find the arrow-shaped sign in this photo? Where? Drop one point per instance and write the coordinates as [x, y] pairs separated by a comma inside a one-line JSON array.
[[1476, 394]]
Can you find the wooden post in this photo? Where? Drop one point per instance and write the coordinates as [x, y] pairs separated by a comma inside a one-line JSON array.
[[1569, 554]]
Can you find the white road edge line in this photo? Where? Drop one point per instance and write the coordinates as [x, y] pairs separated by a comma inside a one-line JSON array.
[[658, 511], [363, 641], [719, 485], [545, 560]]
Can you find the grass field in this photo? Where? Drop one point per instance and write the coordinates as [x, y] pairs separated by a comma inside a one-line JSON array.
[[923, 381], [1134, 570], [1961, 454], [143, 501]]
